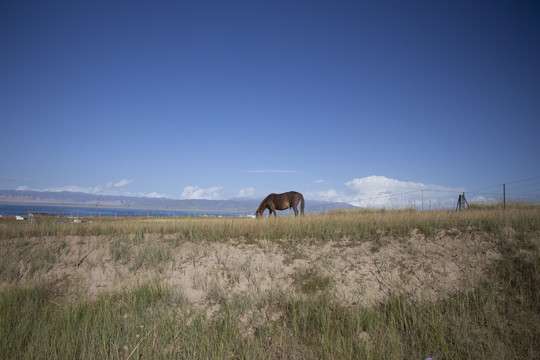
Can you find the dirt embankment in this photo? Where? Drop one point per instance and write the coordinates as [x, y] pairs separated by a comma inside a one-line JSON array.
[[357, 272]]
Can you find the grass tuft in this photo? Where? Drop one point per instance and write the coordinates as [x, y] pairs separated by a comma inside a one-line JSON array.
[[310, 281]]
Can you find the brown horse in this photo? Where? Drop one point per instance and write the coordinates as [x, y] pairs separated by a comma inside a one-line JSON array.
[[283, 201]]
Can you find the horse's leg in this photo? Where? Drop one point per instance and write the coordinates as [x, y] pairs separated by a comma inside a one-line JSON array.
[[293, 205], [273, 208]]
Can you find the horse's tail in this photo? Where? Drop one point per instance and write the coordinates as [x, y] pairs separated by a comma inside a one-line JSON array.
[[301, 204]]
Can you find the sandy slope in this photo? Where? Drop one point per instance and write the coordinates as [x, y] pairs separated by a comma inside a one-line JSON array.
[[359, 272]]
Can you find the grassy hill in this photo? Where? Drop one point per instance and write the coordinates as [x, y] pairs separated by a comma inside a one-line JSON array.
[[339, 285]]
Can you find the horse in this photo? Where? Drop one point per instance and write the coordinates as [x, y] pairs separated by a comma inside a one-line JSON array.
[[283, 201]]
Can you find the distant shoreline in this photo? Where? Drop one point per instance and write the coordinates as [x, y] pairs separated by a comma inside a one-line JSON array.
[[24, 210], [90, 206], [77, 199]]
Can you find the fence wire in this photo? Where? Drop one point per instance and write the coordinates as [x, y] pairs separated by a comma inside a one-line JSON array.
[[518, 191]]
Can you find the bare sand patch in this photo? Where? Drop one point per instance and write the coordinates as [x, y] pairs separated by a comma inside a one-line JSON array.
[[202, 272]]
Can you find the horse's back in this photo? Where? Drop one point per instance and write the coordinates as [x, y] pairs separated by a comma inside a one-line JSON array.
[[294, 195]]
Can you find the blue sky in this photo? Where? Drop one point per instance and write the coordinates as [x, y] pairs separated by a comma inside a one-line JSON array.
[[364, 102]]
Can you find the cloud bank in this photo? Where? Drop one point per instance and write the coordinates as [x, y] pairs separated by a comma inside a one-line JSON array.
[[246, 192], [383, 192], [120, 184], [195, 192], [370, 191], [94, 190], [112, 188]]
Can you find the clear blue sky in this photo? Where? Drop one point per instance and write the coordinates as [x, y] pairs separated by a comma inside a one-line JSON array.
[[341, 100]]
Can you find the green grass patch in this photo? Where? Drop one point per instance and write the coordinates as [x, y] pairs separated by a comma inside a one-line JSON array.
[[310, 281]]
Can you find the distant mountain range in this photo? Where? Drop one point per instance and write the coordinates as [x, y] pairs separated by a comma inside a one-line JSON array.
[[68, 198]]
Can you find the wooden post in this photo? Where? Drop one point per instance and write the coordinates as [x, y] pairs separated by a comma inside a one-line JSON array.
[[504, 196], [462, 202]]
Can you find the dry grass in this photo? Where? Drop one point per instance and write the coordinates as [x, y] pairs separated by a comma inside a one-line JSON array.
[[361, 225]]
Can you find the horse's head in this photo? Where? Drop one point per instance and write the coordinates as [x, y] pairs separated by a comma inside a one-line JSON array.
[[258, 214]]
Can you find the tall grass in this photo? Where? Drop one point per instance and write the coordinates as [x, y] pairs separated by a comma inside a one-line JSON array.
[[358, 225], [498, 318]]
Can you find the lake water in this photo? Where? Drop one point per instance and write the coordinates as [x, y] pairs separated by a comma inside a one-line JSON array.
[[60, 210]]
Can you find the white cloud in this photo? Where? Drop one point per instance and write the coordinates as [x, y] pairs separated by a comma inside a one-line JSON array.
[[319, 182], [155, 195], [194, 192], [482, 200], [383, 192], [331, 195], [74, 188], [246, 192], [120, 184], [377, 186], [111, 189]]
